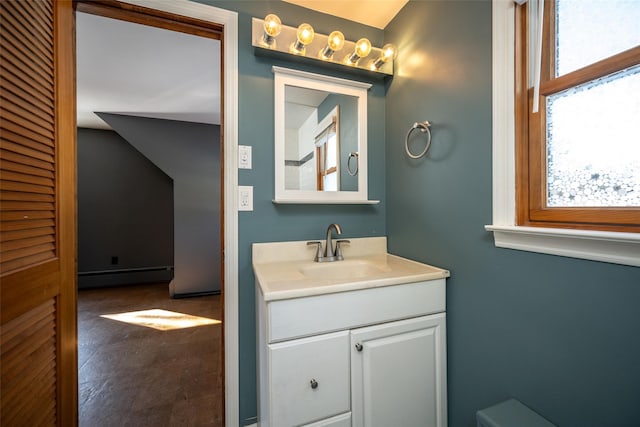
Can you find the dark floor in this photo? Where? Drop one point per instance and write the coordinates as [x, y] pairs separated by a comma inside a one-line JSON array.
[[132, 375]]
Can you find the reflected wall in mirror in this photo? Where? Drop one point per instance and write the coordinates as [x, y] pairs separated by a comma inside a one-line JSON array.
[[320, 122]]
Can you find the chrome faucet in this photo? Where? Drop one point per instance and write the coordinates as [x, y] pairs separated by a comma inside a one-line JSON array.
[[330, 253], [328, 246]]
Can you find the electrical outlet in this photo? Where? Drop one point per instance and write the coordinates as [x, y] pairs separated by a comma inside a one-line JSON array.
[[245, 198], [244, 156]]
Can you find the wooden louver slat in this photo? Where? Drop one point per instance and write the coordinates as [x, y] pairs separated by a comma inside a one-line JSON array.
[[25, 215], [25, 197], [24, 160], [14, 133], [39, 32], [38, 354], [26, 169], [16, 63], [24, 46], [42, 12], [11, 83], [8, 236], [27, 188], [38, 101], [9, 175], [24, 49], [16, 115], [36, 33], [13, 338], [28, 350], [23, 243], [27, 206], [27, 260], [27, 130], [15, 255], [26, 225], [28, 109]]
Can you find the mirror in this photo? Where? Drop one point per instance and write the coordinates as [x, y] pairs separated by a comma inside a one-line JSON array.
[[320, 138]]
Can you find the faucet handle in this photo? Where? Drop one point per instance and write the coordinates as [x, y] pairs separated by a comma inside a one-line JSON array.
[[318, 249], [339, 256]]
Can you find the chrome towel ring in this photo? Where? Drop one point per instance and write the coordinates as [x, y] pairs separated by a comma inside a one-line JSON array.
[[424, 128], [353, 154]]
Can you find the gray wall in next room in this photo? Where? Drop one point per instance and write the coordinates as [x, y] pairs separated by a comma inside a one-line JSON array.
[[190, 154], [125, 210]]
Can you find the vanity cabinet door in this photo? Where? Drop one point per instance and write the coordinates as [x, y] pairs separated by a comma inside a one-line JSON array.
[[309, 379], [399, 373]]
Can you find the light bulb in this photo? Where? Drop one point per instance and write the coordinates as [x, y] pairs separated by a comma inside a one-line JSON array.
[[362, 49], [305, 36], [389, 52], [334, 43], [272, 27], [336, 40]]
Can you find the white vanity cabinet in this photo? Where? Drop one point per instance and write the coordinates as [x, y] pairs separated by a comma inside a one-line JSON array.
[[367, 357], [398, 373], [309, 379]]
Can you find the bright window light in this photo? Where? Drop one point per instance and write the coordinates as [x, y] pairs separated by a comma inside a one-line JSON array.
[[162, 320]]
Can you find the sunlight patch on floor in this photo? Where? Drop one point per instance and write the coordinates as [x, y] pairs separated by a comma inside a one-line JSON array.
[[162, 320]]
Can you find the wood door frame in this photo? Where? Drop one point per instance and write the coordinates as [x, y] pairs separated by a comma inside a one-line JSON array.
[[193, 14], [65, 116]]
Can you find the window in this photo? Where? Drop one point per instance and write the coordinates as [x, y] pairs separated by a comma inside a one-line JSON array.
[[618, 247], [578, 155]]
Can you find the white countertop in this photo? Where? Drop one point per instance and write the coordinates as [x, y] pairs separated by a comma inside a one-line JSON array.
[[285, 270]]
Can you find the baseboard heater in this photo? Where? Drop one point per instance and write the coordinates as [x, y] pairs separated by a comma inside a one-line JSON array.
[[126, 270]]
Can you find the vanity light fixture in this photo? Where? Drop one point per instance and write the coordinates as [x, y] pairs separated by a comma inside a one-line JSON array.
[[389, 52], [363, 48], [304, 36], [305, 44], [272, 28], [335, 42]]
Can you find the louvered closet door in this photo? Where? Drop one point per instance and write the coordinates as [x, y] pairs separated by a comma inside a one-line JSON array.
[[37, 209]]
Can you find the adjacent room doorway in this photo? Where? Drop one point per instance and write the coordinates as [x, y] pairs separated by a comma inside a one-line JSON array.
[[182, 25]]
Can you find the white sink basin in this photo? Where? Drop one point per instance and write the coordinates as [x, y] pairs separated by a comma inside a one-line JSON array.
[[286, 270], [349, 269]]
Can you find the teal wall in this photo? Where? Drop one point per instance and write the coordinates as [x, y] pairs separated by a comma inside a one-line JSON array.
[[560, 334], [557, 333], [270, 222]]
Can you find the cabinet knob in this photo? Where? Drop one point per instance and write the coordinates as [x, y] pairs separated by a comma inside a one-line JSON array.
[[359, 347], [314, 384]]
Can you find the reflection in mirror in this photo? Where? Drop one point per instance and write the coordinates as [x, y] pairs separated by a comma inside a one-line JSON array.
[[321, 129], [320, 122], [327, 147]]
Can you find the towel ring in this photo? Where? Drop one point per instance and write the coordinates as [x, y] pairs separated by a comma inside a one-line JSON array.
[[353, 154], [424, 128]]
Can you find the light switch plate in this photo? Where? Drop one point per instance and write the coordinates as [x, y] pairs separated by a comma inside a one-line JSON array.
[[244, 156], [245, 198]]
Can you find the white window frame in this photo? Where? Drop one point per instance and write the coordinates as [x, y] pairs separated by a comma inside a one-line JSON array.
[[613, 247]]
